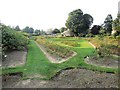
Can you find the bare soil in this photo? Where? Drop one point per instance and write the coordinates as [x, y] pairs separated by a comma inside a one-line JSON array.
[[73, 78], [14, 58], [103, 62]]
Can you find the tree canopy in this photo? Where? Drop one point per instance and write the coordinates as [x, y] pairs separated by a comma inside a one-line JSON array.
[[17, 28], [95, 29], [108, 24], [28, 30], [55, 31], [37, 32], [62, 29], [116, 25], [78, 23]]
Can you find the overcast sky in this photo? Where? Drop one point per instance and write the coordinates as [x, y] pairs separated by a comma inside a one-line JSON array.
[[45, 14]]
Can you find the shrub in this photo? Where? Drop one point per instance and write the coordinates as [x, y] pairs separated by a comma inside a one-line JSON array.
[[12, 39]]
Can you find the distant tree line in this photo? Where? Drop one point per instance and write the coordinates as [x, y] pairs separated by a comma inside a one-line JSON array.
[[56, 30], [30, 30], [79, 24]]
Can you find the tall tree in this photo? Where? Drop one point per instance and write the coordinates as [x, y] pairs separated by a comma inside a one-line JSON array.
[[55, 31], [108, 24], [116, 25], [28, 29], [78, 23], [62, 29], [95, 29], [17, 28], [31, 30], [37, 32]]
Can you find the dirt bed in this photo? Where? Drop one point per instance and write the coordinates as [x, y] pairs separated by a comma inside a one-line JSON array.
[[104, 62], [73, 78], [14, 58]]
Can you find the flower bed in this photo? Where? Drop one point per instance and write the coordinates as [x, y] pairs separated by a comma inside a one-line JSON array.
[[54, 48], [106, 45], [71, 43]]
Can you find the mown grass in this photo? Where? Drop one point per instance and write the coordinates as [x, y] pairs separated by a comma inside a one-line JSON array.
[[37, 63]]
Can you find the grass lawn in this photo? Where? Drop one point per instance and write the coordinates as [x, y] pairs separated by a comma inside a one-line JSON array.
[[37, 63]]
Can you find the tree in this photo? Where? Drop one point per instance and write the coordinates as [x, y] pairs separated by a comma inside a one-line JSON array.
[[37, 32], [95, 29], [62, 29], [116, 25], [43, 32], [28, 30], [78, 23], [31, 30], [17, 28], [108, 24], [55, 31]]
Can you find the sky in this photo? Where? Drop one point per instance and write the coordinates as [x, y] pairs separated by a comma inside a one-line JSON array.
[[46, 14]]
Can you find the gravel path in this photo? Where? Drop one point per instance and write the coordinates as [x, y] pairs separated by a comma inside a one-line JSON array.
[[73, 78]]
